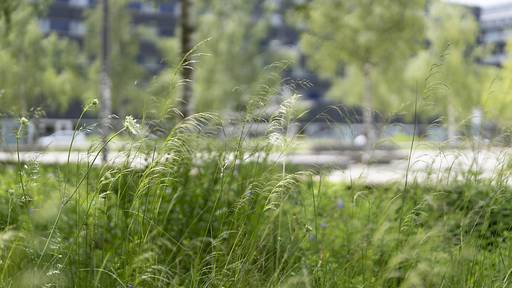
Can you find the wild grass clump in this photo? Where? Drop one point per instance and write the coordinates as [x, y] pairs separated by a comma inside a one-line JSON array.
[[177, 214], [193, 209], [455, 235], [224, 223]]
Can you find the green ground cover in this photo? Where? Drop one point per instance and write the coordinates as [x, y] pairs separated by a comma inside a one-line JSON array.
[[218, 213], [220, 223]]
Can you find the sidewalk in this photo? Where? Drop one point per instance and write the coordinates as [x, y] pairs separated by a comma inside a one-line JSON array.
[[424, 164]]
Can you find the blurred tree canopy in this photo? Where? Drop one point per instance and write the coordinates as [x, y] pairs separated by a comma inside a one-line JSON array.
[[35, 70], [375, 54], [497, 98], [447, 72], [229, 59], [362, 46], [7, 7], [127, 74], [234, 60], [55, 70]]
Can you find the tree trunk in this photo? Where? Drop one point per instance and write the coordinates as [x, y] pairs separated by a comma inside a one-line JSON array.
[[369, 129], [187, 29], [476, 122], [105, 83], [452, 128]]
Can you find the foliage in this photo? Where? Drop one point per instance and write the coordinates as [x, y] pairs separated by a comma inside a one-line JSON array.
[[234, 61], [154, 225], [196, 209], [127, 74], [47, 67], [175, 223], [455, 80], [6, 9], [497, 100], [383, 34], [425, 236], [162, 88]]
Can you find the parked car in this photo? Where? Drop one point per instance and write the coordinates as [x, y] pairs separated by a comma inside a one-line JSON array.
[[62, 139]]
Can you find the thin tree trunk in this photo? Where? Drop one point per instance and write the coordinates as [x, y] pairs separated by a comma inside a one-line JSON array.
[[452, 129], [187, 29], [105, 83], [476, 122], [369, 129]]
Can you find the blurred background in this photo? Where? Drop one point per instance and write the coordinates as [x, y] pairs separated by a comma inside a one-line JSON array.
[[370, 73]]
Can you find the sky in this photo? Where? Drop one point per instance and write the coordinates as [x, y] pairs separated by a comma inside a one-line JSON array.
[[483, 3]]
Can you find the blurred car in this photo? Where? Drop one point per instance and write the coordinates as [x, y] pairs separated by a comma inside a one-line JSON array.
[[62, 139]]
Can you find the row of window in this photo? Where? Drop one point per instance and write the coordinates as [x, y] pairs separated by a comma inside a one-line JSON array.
[[65, 26], [133, 5], [78, 28]]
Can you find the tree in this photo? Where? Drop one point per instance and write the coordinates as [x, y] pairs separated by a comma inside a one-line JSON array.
[[456, 82], [105, 84], [162, 87], [36, 71], [7, 7], [365, 37], [187, 71], [497, 96], [229, 61], [126, 74], [229, 74]]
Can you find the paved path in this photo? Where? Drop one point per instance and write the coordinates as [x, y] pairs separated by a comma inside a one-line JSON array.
[[424, 164], [304, 161], [435, 166]]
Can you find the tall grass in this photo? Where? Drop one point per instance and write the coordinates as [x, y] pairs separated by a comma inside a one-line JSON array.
[[185, 222], [193, 215], [190, 210]]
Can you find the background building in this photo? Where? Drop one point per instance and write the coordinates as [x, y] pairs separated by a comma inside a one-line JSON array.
[[67, 19], [496, 30]]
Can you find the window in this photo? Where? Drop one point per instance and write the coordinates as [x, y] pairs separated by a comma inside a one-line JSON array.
[[166, 31], [493, 36], [77, 28], [59, 25], [167, 8], [44, 25], [148, 8], [79, 3], [137, 6]]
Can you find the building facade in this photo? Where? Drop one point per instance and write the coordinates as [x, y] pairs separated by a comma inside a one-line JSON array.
[[67, 19], [495, 30]]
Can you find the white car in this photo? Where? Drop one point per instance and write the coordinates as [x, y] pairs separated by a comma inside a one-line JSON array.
[[62, 139]]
